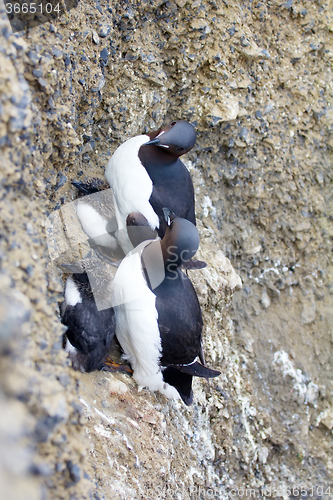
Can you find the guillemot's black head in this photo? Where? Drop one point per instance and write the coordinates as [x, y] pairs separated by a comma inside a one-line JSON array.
[[162, 258], [180, 242], [176, 139]]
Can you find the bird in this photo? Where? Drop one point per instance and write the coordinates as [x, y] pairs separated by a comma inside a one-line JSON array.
[[146, 174], [158, 316], [90, 323], [90, 332]]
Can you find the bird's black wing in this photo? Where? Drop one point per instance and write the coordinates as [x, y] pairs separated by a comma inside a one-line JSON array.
[[180, 321], [90, 332]]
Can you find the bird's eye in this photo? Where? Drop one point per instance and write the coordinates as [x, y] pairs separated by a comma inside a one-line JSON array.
[[180, 149], [172, 124]]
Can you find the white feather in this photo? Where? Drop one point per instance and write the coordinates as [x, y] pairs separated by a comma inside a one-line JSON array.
[[72, 293], [136, 324], [131, 186], [74, 356], [69, 348], [94, 225]]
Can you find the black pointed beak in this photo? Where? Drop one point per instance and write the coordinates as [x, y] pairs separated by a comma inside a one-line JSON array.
[[167, 212], [153, 141]]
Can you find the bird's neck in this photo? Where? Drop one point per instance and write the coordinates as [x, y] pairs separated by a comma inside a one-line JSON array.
[[156, 160]]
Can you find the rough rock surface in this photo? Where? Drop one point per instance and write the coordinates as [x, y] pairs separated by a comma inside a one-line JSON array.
[[255, 79]]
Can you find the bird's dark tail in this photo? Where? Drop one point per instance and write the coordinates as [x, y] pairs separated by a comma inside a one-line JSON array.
[[91, 186], [181, 381], [197, 370], [193, 264], [180, 377]]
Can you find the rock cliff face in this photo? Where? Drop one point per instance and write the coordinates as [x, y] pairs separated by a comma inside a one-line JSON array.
[[255, 79]]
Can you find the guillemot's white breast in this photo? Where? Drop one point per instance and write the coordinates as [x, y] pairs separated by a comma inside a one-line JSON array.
[[132, 186]]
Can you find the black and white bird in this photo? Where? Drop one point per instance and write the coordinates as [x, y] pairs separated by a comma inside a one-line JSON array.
[[158, 316], [91, 328], [89, 332], [146, 174]]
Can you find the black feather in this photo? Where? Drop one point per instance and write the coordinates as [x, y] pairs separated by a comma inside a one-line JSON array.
[[90, 331], [181, 381]]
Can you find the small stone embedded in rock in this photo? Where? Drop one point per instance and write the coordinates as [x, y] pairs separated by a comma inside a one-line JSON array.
[[116, 386], [265, 300], [244, 134], [251, 50], [263, 454], [226, 110], [51, 103], [315, 46], [45, 426], [326, 418], [104, 54], [157, 76], [57, 52], [16, 123], [232, 30], [100, 85], [37, 72], [147, 57], [42, 82], [29, 270], [74, 471], [41, 470], [64, 379], [67, 60], [95, 37], [62, 179], [245, 41], [200, 24], [19, 45], [104, 30], [34, 57]]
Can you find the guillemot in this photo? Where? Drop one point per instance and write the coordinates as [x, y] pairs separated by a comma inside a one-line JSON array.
[[90, 332], [90, 322], [146, 174], [158, 320]]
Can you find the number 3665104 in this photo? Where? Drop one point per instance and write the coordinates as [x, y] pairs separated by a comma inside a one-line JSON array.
[[32, 8]]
